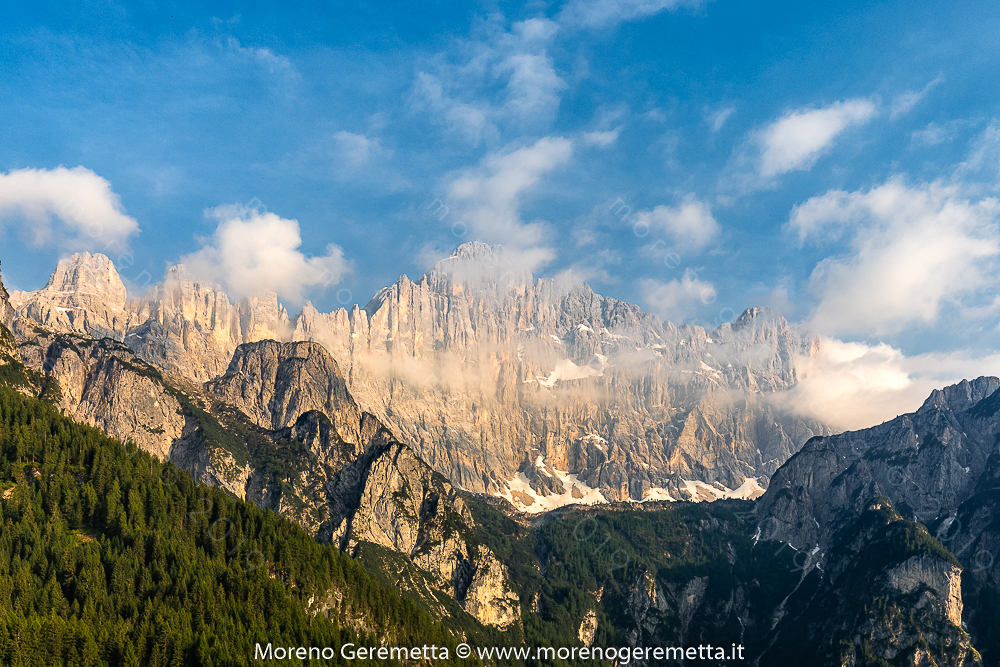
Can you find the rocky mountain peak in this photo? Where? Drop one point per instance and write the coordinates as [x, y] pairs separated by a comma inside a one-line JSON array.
[[476, 265], [274, 383], [478, 250], [84, 294], [757, 316], [83, 273], [961, 396]]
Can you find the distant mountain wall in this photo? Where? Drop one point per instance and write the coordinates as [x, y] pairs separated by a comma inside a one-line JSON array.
[[534, 389]]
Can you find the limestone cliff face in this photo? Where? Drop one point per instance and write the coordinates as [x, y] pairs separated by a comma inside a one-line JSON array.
[[356, 484], [938, 584], [538, 390], [938, 466], [191, 329], [102, 384], [485, 371], [83, 295], [6, 310]]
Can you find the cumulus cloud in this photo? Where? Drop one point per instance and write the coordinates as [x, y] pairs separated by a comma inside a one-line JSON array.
[[488, 198], [253, 251], [912, 249], [855, 385], [677, 300], [608, 13], [691, 225], [72, 208], [798, 139]]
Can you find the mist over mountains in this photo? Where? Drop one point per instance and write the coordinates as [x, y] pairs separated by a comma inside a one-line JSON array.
[[537, 390]]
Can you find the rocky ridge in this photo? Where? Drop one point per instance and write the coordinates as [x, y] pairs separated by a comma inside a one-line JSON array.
[[938, 468], [279, 429], [538, 390], [376, 490]]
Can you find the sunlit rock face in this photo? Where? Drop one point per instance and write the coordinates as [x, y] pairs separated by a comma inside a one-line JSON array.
[[83, 295], [547, 393], [538, 390]]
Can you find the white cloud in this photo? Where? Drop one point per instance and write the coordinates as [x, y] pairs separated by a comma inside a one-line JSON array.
[[796, 140], [932, 135], [904, 103], [356, 150], [601, 139], [607, 13], [253, 251], [717, 119], [487, 199], [72, 208], [506, 78], [854, 385], [677, 300], [691, 224], [911, 251]]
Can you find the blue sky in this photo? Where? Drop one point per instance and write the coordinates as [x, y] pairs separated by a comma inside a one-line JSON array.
[[837, 161]]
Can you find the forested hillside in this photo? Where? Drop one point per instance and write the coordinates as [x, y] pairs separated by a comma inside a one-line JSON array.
[[110, 557]]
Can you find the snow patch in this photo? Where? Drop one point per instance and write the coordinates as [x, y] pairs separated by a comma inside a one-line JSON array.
[[699, 491], [656, 493], [522, 496]]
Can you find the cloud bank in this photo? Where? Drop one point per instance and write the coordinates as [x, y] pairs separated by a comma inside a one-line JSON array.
[[852, 385]]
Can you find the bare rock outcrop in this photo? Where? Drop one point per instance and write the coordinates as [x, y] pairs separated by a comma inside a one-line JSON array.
[[102, 384]]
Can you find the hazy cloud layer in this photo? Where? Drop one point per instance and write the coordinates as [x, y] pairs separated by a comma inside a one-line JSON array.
[[488, 198], [608, 13], [74, 209], [508, 78], [678, 300], [253, 251]]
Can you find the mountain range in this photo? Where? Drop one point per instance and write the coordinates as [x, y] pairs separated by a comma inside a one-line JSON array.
[[539, 390], [518, 455]]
